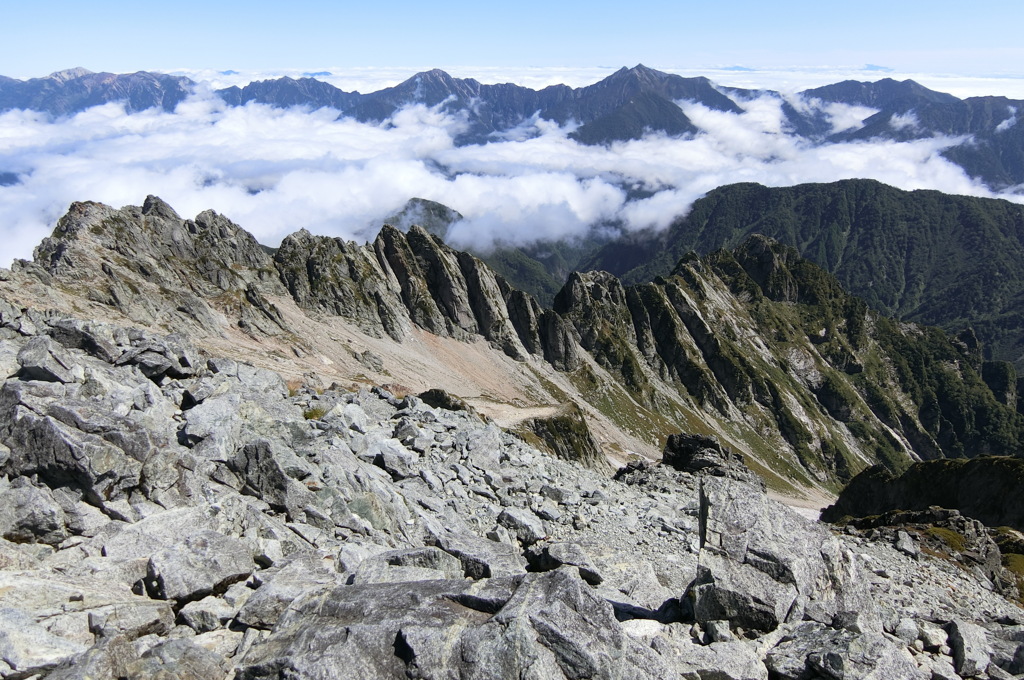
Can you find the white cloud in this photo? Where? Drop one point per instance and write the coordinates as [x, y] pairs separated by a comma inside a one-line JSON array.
[[841, 117], [845, 117], [1009, 122], [904, 121], [274, 171]]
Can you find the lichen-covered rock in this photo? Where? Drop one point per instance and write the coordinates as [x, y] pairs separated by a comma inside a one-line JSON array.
[[480, 557]]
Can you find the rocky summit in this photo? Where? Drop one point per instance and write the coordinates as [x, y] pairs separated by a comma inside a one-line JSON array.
[[380, 461]]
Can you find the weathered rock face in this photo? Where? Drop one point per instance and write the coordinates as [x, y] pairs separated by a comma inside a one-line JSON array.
[[393, 249], [341, 278], [153, 266], [762, 566], [595, 304], [439, 269], [489, 308], [450, 293]]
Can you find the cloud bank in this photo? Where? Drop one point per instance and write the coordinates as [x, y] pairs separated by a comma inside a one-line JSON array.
[[274, 171]]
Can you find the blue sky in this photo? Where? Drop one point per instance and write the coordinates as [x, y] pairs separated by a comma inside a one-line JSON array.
[[982, 38]]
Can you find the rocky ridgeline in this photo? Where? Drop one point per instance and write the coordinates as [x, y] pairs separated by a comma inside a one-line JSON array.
[[755, 344], [154, 267], [168, 514]]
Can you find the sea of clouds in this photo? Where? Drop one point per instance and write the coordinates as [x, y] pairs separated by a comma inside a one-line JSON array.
[[274, 171]]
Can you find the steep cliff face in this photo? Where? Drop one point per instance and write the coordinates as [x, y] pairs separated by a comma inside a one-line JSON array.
[[763, 337], [756, 346], [332, 276]]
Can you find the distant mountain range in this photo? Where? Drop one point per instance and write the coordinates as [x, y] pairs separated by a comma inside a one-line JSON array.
[[74, 90], [626, 105]]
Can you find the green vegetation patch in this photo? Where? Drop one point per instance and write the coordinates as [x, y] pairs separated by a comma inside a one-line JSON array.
[[314, 413], [954, 540]]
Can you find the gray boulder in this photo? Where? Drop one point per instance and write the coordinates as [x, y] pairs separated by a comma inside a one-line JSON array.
[[480, 557], [157, 357], [131, 620], [207, 614], [540, 626], [204, 563], [392, 457], [427, 557], [811, 650], [259, 465], [524, 524], [413, 564], [30, 514], [279, 587], [557, 554], [27, 648], [761, 564], [971, 649], [55, 451], [724, 660], [97, 339], [43, 359], [182, 658]]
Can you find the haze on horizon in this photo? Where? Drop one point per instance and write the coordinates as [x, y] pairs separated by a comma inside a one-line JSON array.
[[120, 36]]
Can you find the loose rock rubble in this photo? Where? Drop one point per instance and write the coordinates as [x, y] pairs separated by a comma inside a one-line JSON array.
[[165, 514]]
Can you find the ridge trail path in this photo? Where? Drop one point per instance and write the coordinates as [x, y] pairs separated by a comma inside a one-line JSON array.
[[510, 415], [809, 505]]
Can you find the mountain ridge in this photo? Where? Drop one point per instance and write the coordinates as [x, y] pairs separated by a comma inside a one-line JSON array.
[[923, 256], [992, 148], [807, 392]]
